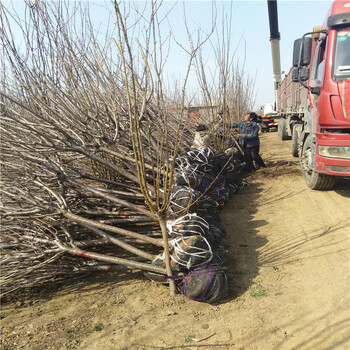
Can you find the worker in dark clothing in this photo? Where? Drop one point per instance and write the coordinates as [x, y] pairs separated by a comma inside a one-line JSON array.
[[248, 138]]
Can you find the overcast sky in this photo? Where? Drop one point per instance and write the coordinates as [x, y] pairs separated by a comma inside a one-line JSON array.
[[250, 33]]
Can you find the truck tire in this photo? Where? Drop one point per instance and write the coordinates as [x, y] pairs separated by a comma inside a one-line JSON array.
[[264, 128], [282, 132], [295, 140], [313, 179]]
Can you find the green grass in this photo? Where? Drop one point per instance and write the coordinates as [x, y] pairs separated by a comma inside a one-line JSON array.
[[98, 327], [187, 338], [258, 291], [69, 330]]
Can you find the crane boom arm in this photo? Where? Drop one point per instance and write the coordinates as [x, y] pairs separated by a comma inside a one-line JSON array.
[[275, 45]]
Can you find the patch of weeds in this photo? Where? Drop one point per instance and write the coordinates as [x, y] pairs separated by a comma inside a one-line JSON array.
[[279, 293], [61, 318], [137, 290], [205, 326], [257, 291], [98, 327], [69, 330], [113, 303], [187, 338], [142, 328], [181, 301]]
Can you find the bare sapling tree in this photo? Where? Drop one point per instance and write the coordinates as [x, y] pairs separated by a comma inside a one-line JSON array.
[[89, 142], [65, 184], [163, 133], [228, 89]]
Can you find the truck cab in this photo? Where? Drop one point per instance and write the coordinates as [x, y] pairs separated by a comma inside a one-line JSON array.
[[322, 65]]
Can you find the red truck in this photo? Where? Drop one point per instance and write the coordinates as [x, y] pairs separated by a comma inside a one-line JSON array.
[[314, 100]]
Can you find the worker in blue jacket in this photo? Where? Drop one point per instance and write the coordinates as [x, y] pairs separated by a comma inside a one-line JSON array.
[[248, 138]]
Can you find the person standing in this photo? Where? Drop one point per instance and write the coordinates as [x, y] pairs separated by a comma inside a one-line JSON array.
[[248, 138]]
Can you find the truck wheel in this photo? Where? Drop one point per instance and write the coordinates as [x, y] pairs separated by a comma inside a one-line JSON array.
[[314, 180], [282, 132], [295, 141]]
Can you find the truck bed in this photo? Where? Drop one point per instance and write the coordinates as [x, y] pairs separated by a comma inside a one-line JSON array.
[[292, 97]]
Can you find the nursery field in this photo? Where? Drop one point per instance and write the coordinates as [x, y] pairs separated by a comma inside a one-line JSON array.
[[288, 270]]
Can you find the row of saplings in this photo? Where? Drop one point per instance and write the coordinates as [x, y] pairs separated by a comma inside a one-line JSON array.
[[204, 181]]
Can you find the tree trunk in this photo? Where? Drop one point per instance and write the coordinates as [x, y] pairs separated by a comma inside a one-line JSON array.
[[162, 222]]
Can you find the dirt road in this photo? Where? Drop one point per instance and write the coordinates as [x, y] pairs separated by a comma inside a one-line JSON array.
[[288, 269]]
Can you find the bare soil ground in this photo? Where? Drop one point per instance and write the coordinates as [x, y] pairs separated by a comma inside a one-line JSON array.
[[288, 269]]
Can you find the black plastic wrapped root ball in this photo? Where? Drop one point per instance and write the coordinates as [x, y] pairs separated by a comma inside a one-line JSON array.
[[207, 284], [187, 225], [184, 198], [188, 178], [189, 252]]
